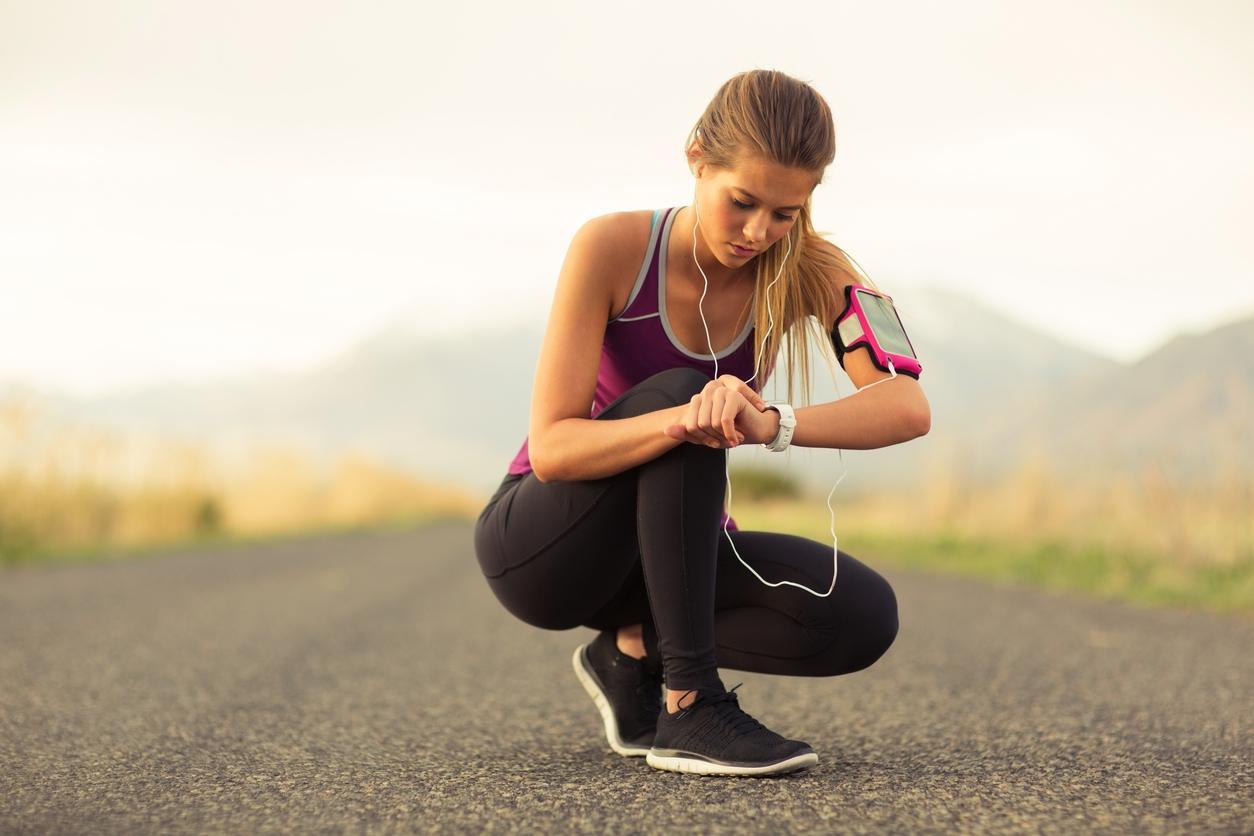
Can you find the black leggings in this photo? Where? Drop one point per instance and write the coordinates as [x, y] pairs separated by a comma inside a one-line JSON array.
[[645, 546]]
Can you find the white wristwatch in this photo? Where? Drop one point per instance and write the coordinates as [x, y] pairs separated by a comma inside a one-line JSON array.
[[787, 421]]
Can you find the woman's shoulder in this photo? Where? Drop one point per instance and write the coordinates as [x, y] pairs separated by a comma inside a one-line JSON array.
[[620, 229], [839, 271], [617, 238], [605, 255]]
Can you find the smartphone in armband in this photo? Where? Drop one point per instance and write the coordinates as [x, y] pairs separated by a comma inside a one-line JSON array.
[[869, 320]]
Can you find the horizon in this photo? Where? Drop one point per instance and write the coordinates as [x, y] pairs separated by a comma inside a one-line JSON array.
[[400, 330]]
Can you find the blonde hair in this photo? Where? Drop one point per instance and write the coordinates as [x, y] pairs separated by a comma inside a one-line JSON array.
[[768, 114]]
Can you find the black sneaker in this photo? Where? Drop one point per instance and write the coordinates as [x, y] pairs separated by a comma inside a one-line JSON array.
[[714, 736], [627, 692]]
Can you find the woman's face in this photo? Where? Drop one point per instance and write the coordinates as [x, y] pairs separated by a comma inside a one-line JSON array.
[[745, 209]]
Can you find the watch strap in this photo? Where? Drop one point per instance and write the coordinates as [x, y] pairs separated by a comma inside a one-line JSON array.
[[787, 423]]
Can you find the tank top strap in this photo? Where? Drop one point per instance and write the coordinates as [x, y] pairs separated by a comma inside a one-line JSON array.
[[642, 302]]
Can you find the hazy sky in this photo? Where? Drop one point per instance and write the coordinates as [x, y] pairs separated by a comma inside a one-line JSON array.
[[189, 189]]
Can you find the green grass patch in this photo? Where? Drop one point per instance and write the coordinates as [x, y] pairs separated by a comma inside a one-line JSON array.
[[1091, 570]]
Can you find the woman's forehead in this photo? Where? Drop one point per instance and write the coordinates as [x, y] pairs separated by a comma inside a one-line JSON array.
[[769, 182]]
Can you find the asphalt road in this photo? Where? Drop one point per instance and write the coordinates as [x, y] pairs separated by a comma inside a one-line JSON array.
[[370, 683]]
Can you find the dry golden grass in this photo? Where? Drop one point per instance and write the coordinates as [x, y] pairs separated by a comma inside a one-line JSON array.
[[1139, 536], [67, 489], [1132, 537], [1146, 512]]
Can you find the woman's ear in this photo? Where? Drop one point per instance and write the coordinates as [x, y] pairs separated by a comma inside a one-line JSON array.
[[695, 165]]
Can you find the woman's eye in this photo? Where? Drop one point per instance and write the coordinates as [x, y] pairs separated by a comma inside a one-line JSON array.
[[780, 215]]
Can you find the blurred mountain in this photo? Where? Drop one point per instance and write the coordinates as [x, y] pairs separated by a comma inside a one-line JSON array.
[[441, 408], [1183, 412], [1001, 393]]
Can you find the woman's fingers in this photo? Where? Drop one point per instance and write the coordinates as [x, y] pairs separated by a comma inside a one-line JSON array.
[[718, 408], [704, 413], [726, 414], [696, 429], [754, 399], [717, 412], [697, 432], [730, 381], [722, 400], [710, 418], [732, 406]]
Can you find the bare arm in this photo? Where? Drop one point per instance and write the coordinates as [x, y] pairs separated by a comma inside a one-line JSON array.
[[883, 415], [878, 416], [590, 449], [564, 443]]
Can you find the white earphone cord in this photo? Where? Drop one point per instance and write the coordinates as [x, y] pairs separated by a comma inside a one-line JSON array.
[[756, 361]]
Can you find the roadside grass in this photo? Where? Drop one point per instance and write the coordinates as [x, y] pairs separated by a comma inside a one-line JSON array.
[[60, 523], [75, 494], [1137, 576], [44, 555]]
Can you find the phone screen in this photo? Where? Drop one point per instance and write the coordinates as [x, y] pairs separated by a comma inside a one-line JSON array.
[[885, 324]]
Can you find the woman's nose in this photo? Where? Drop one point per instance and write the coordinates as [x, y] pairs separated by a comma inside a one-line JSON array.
[[755, 231]]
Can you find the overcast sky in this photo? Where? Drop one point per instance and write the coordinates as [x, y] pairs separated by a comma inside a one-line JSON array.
[[195, 188]]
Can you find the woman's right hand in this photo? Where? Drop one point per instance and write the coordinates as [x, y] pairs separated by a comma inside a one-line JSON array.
[[727, 412]]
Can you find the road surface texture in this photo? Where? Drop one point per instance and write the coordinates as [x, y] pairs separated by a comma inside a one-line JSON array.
[[370, 683]]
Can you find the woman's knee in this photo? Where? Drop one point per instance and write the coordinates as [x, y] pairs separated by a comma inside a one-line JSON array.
[[663, 390], [877, 627], [681, 383], [863, 631], [535, 608]]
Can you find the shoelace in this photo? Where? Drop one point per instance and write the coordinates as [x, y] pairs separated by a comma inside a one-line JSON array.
[[727, 708]]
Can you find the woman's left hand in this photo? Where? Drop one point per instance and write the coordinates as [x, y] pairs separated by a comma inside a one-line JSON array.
[[726, 413]]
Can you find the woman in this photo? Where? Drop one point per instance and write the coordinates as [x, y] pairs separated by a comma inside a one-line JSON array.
[[612, 518]]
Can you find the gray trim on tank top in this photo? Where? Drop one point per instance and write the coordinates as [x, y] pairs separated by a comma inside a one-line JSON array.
[[644, 271], [661, 305]]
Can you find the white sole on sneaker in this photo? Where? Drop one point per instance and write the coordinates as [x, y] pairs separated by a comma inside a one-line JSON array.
[[588, 680], [674, 761]]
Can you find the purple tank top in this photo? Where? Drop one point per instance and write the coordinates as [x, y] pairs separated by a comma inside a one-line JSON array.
[[639, 341]]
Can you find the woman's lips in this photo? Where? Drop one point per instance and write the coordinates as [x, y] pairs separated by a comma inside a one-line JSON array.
[[741, 251]]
